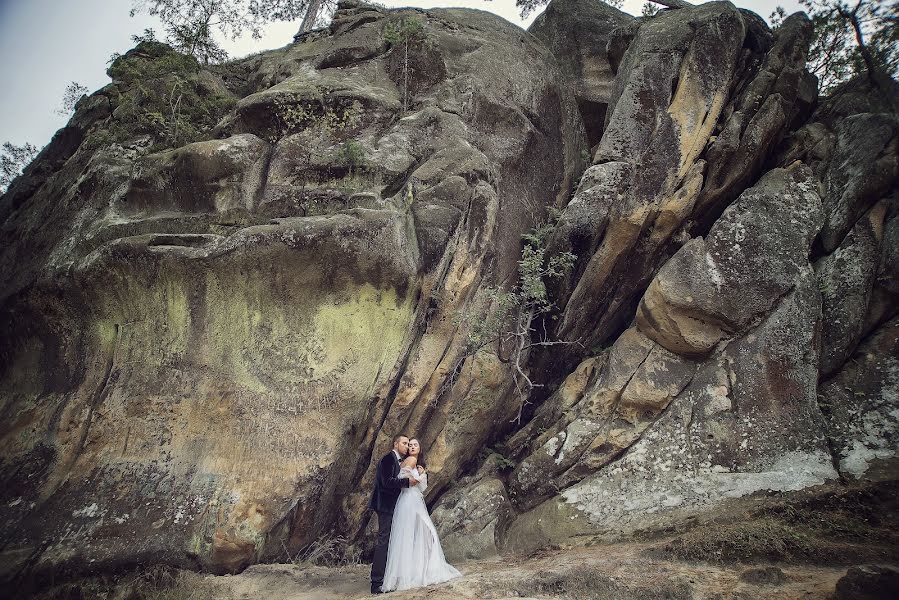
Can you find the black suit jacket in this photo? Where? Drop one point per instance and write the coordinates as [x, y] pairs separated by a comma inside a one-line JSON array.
[[387, 484]]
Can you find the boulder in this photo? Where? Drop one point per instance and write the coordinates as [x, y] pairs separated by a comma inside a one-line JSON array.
[[846, 280], [469, 516], [851, 143], [868, 582], [751, 258], [755, 120], [671, 89], [863, 168]]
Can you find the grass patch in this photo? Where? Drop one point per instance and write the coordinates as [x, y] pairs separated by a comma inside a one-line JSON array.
[[841, 526], [327, 551], [154, 583]]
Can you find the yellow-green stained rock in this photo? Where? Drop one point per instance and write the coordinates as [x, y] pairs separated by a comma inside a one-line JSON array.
[[206, 349]]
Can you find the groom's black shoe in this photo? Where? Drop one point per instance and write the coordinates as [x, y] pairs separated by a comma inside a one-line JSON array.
[[376, 591]]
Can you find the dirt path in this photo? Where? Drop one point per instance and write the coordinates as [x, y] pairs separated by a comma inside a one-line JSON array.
[[618, 572]]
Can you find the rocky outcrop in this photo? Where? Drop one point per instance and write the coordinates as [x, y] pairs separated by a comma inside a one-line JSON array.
[[768, 98], [578, 32], [705, 398], [225, 333], [862, 408], [211, 328], [622, 452], [471, 515], [846, 280], [850, 142], [678, 92]]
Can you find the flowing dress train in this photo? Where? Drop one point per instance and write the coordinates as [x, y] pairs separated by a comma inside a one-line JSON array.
[[414, 556]]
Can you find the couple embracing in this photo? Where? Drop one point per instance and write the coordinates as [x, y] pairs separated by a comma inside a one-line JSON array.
[[408, 552]]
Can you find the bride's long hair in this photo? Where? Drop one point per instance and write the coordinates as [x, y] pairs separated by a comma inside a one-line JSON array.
[[420, 459]]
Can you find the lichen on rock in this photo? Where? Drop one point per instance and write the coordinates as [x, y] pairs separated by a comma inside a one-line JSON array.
[[213, 322]]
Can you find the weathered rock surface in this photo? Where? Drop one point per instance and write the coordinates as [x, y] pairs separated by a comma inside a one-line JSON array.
[[769, 97], [225, 334], [208, 340], [861, 406], [684, 433], [850, 143], [578, 32], [753, 256], [688, 85], [846, 280], [471, 515]]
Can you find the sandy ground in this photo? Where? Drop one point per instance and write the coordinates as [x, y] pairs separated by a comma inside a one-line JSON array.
[[617, 572]]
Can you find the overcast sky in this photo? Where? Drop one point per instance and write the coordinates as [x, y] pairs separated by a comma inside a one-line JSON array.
[[45, 44]]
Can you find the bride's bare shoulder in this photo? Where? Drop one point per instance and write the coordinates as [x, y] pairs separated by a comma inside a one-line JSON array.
[[410, 461]]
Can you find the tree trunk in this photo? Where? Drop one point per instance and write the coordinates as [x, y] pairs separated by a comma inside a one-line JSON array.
[[877, 75], [312, 12]]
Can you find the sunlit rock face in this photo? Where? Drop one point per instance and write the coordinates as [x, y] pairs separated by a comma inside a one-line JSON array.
[[207, 346], [677, 419], [208, 341], [724, 299]]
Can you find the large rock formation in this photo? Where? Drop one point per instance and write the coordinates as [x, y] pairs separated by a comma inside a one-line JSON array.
[[205, 342], [213, 324]]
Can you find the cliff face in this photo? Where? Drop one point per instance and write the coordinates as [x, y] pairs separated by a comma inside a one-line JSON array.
[[214, 319]]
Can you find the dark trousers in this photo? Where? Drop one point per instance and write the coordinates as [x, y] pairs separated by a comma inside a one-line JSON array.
[[385, 520]]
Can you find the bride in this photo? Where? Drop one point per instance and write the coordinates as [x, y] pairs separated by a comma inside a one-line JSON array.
[[414, 555]]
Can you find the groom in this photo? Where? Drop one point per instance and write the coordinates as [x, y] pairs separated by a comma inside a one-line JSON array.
[[383, 499]]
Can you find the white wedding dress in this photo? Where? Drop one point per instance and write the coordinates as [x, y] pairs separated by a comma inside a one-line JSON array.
[[414, 556]]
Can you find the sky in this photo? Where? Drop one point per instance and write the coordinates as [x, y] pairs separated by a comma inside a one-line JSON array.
[[46, 44]]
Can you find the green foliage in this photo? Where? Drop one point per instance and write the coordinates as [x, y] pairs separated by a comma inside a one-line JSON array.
[[158, 93], [190, 24], [503, 464], [149, 35], [195, 39], [511, 312], [352, 156], [151, 59], [483, 329], [402, 34], [534, 267], [70, 97], [312, 111], [839, 51], [649, 10], [13, 160], [402, 31], [510, 315]]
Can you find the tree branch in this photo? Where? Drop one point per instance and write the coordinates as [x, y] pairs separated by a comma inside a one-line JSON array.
[[852, 17]]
